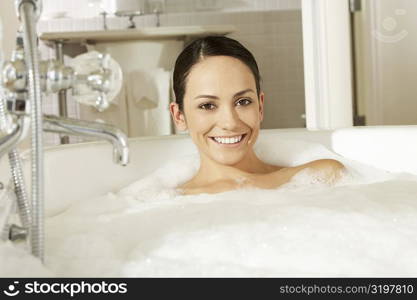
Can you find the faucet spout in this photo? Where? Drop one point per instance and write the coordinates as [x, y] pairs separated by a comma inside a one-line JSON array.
[[91, 129]]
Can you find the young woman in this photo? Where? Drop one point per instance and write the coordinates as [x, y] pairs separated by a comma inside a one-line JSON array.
[[218, 99]]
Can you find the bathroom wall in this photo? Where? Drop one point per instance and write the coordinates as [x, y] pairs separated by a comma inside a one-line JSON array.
[[387, 65], [270, 29], [230, 5], [275, 39], [91, 8], [10, 24]]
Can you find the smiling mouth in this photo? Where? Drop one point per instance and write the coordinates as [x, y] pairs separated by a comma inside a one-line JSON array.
[[232, 140]]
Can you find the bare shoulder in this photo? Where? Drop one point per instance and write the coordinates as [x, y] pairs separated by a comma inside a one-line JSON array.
[[322, 164], [317, 165], [328, 170]]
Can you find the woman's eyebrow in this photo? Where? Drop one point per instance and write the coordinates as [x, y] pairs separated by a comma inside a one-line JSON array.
[[235, 95], [243, 92], [207, 96]]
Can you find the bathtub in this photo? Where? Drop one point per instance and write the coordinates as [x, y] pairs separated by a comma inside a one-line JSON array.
[[78, 172]]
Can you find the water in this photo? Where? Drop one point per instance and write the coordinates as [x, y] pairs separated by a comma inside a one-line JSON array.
[[365, 225]]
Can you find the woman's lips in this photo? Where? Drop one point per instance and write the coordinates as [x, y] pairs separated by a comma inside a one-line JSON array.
[[229, 141]]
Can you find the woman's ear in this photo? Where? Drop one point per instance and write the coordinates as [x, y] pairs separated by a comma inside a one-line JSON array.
[[177, 116], [261, 106]]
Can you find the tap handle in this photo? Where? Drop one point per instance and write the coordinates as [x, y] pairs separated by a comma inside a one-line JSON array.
[[99, 79], [102, 102]]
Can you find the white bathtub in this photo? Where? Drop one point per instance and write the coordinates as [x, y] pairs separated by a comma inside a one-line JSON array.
[[84, 171]]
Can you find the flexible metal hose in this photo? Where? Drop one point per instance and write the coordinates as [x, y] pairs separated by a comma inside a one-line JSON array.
[[15, 165], [17, 176], [36, 230], [20, 188], [16, 169]]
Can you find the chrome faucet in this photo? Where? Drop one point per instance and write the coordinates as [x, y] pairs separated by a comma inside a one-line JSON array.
[[22, 81], [91, 129]]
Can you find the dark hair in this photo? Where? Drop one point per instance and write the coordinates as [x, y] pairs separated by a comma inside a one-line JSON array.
[[209, 46]]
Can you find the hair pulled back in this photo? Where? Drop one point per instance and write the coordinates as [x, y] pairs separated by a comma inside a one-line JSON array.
[[205, 47]]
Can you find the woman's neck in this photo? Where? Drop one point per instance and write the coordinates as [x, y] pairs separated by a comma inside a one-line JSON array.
[[211, 171]]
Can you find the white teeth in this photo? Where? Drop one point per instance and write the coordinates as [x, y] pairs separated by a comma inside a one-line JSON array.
[[231, 140]]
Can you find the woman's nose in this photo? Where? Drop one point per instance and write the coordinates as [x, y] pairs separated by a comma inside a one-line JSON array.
[[228, 119]]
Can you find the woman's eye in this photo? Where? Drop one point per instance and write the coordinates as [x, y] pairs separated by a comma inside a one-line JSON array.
[[243, 101], [207, 106]]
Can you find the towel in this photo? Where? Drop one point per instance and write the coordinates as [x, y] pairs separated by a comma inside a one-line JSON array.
[[148, 102]]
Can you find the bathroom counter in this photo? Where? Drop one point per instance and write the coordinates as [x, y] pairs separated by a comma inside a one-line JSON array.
[[144, 33]]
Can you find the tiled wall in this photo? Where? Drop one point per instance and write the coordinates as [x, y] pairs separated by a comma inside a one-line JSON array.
[[94, 7], [177, 6], [273, 36]]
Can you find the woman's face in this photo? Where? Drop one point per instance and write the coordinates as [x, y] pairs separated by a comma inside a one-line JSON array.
[[222, 111]]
